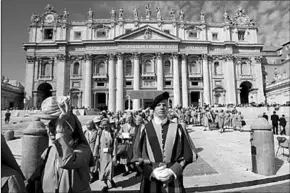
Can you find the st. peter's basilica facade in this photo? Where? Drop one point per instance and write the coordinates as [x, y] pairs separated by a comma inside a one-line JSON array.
[[121, 63]]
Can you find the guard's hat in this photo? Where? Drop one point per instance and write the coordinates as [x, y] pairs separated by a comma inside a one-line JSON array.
[[159, 98]]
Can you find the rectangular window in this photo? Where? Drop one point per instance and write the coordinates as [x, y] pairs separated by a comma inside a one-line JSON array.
[[194, 83], [76, 85], [127, 31], [192, 34], [100, 84], [214, 36], [78, 35], [167, 31], [128, 83], [241, 35], [167, 83], [48, 34], [101, 34]]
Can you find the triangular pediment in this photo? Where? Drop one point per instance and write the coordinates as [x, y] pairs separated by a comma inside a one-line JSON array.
[[147, 33]]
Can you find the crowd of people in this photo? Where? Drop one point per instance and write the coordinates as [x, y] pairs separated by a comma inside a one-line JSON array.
[[153, 142]]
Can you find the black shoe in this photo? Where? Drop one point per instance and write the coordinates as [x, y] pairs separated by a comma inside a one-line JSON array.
[[126, 173]]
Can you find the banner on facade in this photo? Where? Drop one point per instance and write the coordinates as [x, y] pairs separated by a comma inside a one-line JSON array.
[[144, 94]]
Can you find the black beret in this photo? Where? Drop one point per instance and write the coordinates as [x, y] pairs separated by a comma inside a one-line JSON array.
[[159, 98]]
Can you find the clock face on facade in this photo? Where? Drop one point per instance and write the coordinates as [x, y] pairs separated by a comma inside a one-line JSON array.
[[49, 18]]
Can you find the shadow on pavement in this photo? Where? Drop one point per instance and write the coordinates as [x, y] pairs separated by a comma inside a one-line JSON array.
[[278, 164]]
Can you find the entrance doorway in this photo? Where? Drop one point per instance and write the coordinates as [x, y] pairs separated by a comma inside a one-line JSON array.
[[147, 103], [245, 89], [100, 101], [195, 96], [43, 92]]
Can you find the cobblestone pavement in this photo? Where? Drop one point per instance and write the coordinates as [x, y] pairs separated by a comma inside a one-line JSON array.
[[224, 159]]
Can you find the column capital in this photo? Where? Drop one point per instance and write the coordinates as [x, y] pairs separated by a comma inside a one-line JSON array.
[[184, 56], [88, 57], [204, 56], [76, 57], [120, 55], [136, 55], [159, 55], [229, 57], [61, 57], [258, 59], [175, 55], [111, 56], [30, 59]]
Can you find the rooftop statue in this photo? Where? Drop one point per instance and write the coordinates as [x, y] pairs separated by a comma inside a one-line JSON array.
[[181, 15], [90, 14], [227, 18], [65, 14], [148, 11], [49, 8], [202, 17], [113, 14], [35, 18], [121, 13], [135, 11], [241, 19], [172, 14], [158, 13]]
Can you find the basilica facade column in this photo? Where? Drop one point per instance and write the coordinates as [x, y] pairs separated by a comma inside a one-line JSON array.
[[136, 85], [259, 78], [206, 83], [61, 78], [31, 64], [184, 80], [176, 82], [112, 78], [230, 77], [120, 84], [88, 81], [159, 71]]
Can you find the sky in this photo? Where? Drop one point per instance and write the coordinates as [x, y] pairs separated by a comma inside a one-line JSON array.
[[272, 18]]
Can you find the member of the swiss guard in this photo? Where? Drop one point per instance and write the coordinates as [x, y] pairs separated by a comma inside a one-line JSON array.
[[163, 151]]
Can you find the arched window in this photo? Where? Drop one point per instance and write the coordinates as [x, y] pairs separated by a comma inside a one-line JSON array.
[[100, 68], [45, 68], [148, 66], [129, 67], [194, 67], [245, 68], [76, 68], [217, 68], [167, 66]]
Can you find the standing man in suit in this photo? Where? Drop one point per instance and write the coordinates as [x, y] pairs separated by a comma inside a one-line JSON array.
[[163, 151], [275, 119]]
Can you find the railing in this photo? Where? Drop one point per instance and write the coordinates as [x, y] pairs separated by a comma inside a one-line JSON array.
[[45, 77], [246, 76], [101, 76], [129, 75], [148, 75], [218, 75], [75, 75], [194, 75]]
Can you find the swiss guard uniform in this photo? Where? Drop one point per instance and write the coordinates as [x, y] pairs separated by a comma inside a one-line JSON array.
[[164, 144]]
